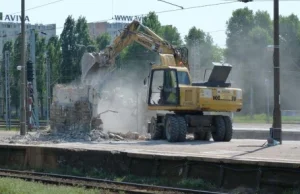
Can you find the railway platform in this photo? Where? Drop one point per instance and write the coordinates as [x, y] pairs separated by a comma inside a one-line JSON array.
[[247, 163]]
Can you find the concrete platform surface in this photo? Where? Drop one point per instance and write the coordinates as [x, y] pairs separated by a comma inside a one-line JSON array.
[[265, 127], [236, 151]]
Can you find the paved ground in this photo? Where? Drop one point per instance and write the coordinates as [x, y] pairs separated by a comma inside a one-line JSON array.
[[244, 149], [264, 127], [241, 150], [8, 133]]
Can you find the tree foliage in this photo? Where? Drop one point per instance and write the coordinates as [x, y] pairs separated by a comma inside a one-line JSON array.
[[103, 40], [170, 33], [248, 35], [54, 56], [201, 46], [69, 50]]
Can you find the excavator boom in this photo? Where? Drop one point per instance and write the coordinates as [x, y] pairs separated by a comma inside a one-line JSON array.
[[134, 32]]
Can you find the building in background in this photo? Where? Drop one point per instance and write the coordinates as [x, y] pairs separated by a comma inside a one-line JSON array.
[[98, 28], [9, 31]]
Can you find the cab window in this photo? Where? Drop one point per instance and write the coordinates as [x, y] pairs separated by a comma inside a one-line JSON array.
[[183, 78]]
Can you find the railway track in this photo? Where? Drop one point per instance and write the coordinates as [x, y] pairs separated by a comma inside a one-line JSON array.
[[113, 186]]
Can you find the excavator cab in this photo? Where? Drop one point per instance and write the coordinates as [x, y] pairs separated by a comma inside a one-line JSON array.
[[163, 87]]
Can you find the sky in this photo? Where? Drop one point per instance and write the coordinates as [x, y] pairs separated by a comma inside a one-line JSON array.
[[210, 18]]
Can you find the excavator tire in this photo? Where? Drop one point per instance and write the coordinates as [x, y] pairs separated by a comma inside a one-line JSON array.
[[229, 130], [155, 130], [182, 128], [172, 129], [220, 128]]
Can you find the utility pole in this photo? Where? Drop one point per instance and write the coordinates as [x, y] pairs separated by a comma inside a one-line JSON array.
[[47, 86], [276, 131], [7, 90], [23, 72], [35, 94]]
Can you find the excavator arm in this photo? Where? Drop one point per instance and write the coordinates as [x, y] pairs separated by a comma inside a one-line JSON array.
[[134, 32]]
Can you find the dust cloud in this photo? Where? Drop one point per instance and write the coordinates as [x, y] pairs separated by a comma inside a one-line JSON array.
[[125, 93]]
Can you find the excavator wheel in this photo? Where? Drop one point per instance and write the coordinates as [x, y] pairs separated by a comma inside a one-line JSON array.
[[171, 127], [229, 130], [182, 128], [155, 130], [220, 128]]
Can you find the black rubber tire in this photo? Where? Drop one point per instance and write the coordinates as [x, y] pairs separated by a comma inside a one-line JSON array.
[[172, 130], [229, 129], [155, 130], [219, 133], [182, 128]]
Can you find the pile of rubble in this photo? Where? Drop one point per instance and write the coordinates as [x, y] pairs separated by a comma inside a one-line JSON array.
[[49, 137]]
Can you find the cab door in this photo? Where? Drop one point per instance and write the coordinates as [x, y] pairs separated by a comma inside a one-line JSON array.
[[164, 88]]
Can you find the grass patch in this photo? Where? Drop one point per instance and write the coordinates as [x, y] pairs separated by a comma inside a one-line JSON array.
[[17, 186], [11, 129], [292, 191], [262, 118], [184, 183], [96, 173], [101, 174]]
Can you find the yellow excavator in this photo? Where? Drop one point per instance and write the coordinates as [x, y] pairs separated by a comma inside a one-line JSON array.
[[170, 89]]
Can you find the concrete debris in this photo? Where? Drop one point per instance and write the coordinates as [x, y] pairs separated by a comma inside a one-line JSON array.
[[132, 135], [50, 137]]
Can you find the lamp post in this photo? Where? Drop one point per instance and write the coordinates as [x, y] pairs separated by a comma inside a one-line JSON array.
[[276, 129], [23, 72]]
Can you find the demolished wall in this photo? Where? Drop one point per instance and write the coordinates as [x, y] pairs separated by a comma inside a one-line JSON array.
[[71, 109]]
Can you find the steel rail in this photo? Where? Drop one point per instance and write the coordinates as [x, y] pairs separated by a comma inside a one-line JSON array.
[[114, 186]]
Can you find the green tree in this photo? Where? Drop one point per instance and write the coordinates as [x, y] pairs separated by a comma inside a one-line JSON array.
[[263, 20], [290, 59], [171, 34], [40, 51], [8, 46], [248, 35], [83, 43], [200, 45], [138, 52], [15, 81], [103, 40], [152, 22], [69, 49], [217, 53], [54, 56], [290, 41], [238, 28], [195, 34]]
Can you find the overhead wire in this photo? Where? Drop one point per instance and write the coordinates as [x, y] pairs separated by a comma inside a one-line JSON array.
[[105, 20], [158, 12], [39, 6]]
